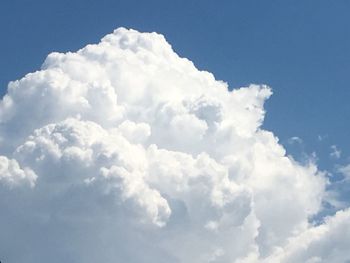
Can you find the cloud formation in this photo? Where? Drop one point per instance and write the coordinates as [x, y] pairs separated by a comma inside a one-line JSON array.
[[125, 152], [335, 152]]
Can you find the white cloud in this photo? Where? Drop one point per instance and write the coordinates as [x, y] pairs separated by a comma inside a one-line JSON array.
[[322, 137], [12, 174], [295, 139], [324, 243], [345, 171], [335, 152], [140, 157]]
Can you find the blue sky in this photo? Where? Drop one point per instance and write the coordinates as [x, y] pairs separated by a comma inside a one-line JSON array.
[[299, 48]]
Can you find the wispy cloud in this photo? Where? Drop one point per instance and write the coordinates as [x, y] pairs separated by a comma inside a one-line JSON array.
[[295, 140]]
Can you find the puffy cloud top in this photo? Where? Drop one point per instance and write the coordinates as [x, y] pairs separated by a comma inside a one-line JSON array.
[[134, 155], [12, 174]]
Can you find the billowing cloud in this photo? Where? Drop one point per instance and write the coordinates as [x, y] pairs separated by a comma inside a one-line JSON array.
[[324, 243], [132, 154], [12, 174]]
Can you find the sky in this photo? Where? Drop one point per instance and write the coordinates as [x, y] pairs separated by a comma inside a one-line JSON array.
[[120, 109], [299, 48]]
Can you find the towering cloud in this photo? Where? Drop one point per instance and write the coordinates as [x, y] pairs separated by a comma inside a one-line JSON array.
[[125, 152]]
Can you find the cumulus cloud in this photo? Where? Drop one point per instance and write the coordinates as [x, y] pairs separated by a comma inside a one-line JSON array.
[[13, 175], [324, 243], [135, 155]]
